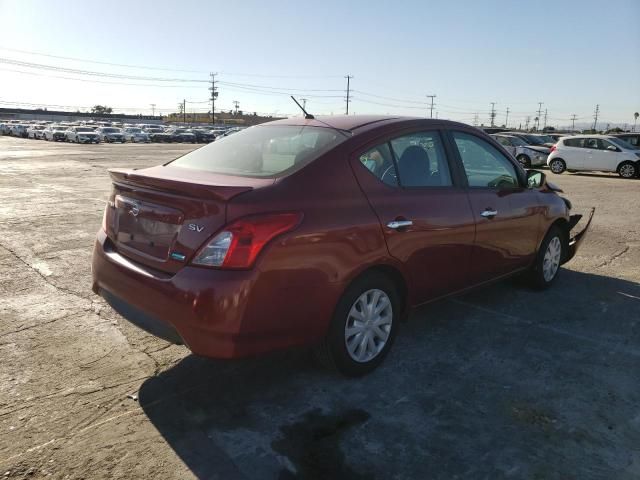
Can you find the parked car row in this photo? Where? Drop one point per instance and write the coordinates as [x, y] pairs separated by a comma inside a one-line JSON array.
[[112, 133], [618, 152]]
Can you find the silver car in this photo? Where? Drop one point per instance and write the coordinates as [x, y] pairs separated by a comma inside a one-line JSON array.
[[527, 155]]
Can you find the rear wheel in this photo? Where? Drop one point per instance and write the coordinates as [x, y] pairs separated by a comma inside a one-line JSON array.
[[557, 165], [628, 170], [363, 326], [524, 160], [548, 260]]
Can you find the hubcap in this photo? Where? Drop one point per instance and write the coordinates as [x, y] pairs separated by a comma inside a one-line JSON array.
[[627, 171], [551, 260], [368, 325], [556, 167]]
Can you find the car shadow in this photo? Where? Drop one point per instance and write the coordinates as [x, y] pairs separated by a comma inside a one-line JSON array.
[[502, 381]]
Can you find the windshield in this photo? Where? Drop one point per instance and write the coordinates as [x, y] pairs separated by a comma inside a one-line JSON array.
[[111, 130], [263, 151], [518, 142], [134, 130], [83, 129], [533, 140], [622, 144]]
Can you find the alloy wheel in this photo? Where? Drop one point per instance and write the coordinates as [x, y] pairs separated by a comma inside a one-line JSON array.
[[368, 325], [627, 170], [556, 166], [551, 260]]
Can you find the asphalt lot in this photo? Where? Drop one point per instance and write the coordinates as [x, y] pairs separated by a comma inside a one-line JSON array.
[[504, 382]]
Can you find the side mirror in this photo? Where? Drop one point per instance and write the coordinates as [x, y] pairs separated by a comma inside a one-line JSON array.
[[612, 148], [535, 179]]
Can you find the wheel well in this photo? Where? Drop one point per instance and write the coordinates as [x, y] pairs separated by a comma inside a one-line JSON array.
[[637, 163], [396, 277]]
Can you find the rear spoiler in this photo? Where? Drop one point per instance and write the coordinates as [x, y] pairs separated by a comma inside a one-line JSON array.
[[190, 187]]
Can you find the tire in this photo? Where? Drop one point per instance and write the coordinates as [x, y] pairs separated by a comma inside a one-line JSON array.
[[345, 353], [628, 169], [524, 160], [557, 166], [548, 259]]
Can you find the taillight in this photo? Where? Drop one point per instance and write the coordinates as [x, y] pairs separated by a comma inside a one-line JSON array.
[[238, 245], [553, 149], [104, 218]]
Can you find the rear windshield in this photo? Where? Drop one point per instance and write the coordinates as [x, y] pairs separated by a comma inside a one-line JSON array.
[[263, 151]]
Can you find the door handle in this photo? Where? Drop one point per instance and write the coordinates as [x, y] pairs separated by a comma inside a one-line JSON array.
[[399, 224], [489, 213]]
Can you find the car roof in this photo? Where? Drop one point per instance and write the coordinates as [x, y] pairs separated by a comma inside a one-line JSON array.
[[350, 123]]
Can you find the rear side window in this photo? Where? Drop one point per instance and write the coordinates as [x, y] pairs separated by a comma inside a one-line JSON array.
[[379, 161], [484, 165], [263, 151], [421, 160], [574, 142]]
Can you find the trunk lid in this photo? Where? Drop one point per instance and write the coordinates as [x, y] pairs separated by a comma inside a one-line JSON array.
[[161, 216]]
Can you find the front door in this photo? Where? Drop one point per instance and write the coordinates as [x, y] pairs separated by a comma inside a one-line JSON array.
[[506, 213], [425, 216]]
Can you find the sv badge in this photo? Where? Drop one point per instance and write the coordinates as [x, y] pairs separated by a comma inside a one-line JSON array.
[[195, 227]]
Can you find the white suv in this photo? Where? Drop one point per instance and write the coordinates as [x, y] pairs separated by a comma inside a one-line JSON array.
[[602, 153]]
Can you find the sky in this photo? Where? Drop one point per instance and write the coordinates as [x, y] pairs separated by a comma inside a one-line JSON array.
[[569, 55]]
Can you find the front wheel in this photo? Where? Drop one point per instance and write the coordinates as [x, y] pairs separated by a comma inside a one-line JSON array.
[[557, 165], [548, 260], [363, 326], [628, 170]]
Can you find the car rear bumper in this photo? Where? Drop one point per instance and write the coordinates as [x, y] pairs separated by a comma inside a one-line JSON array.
[[215, 313]]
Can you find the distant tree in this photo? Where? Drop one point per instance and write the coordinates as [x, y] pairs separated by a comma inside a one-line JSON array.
[[615, 130], [101, 109], [635, 120]]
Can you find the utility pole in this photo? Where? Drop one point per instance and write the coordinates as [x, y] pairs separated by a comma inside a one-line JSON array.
[[526, 124], [184, 110], [348, 77], [431, 106], [573, 121], [304, 103], [595, 116], [545, 120], [214, 95], [506, 121], [492, 115], [539, 115], [153, 109], [475, 119], [236, 104]]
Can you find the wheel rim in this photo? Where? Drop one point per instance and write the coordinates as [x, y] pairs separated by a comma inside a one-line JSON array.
[[627, 171], [368, 325], [556, 166], [551, 260]]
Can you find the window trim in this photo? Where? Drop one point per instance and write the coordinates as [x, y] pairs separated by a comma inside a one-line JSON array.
[[386, 139], [520, 172]]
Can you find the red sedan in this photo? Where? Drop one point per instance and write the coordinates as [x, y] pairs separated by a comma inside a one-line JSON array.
[[322, 232]]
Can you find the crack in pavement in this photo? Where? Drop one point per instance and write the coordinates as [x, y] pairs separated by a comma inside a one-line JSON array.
[[614, 257]]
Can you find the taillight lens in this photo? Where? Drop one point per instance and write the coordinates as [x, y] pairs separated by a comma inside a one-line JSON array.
[[240, 243], [553, 149], [104, 218]]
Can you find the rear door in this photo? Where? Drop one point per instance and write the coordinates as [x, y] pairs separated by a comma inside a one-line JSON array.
[[507, 214], [573, 152], [423, 210]]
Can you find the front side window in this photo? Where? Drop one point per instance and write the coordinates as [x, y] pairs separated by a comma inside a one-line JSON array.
[[421, 160], [484, 165], [263, 151]]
